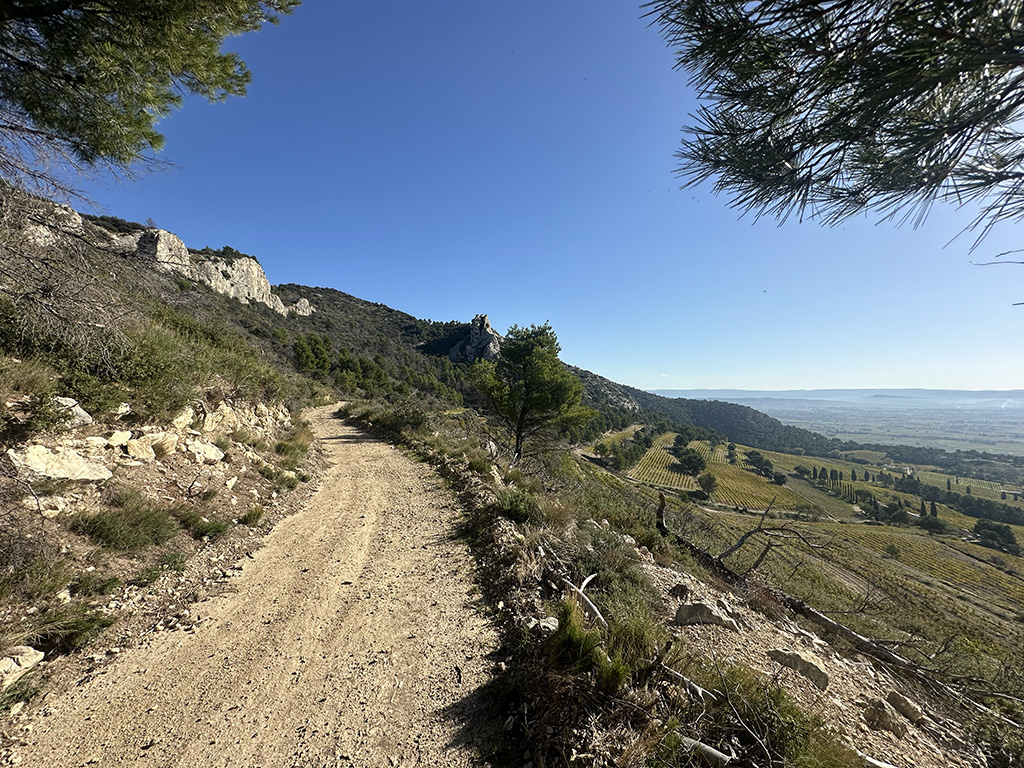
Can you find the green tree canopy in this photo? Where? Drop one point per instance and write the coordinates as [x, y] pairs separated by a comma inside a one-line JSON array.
[[690, 461], [833, 108], [86, 81], [528, 389], [707, 483]]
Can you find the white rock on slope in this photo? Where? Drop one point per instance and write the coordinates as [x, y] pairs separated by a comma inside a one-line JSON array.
[[61, 464]]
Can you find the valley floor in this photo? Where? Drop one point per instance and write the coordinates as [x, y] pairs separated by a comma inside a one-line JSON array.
[[351, 638]]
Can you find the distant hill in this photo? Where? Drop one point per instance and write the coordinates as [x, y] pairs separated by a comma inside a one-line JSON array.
[[908, 395], [950, 419]]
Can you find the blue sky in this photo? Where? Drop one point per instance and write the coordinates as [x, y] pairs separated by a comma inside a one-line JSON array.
[[453, 158]]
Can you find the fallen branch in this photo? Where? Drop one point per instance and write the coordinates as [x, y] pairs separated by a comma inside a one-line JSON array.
[[709, 755], [694, 690], [588, 604]]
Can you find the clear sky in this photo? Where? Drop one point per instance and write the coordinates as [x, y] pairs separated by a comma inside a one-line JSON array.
[[452, 158]]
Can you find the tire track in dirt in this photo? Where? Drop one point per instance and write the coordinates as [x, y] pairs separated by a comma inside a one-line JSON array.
[[350, 639]]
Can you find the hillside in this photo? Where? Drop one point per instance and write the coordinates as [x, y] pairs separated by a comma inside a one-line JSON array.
[[633, 627]]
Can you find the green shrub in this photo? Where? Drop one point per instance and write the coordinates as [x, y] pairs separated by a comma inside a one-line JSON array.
[[32, 576], [131, 522], [92, 583], [252, 517], [22, 691], [146, 576], [198, 526], [174, 561], [576, 649], [66, 628], [573, 647], [518, 505], [294, 447]]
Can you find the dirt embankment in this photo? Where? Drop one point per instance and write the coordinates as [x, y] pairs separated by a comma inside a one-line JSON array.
[[351, 638]]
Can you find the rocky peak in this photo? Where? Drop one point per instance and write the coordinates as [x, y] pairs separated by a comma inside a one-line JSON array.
[[482, 343], [240, 277]]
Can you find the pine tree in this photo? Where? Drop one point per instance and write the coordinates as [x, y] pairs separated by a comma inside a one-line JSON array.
[[528, 389], [86, 82], [833, 109]]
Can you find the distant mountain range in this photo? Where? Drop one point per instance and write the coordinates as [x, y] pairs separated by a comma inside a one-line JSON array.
[[930, 397], [989, 420]]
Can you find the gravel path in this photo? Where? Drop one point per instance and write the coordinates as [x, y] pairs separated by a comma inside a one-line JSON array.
[[352, 638]]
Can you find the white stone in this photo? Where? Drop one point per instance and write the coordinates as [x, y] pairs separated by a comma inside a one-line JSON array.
[[881, 717], [183, 419], [702, 613], [16, 663], [140, 451], [302, 307], [119, 437], [164, 442], [96, 442], [166, 249], [74, 414], [63, 463], [905, 707], [810, 668], [47, 506], [203, 452]]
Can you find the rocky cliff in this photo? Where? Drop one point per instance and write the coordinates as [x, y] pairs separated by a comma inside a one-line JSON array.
[[482, 343], [241, 278]]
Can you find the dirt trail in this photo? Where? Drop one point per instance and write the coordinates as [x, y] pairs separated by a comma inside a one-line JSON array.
[[350, 639]]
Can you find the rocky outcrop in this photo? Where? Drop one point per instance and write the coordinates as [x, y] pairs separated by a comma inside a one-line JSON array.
[[63, 463], [879, 716], [482, 343], [702, 613], [804, 665], [165, 249], [905, 707], [241, 278]]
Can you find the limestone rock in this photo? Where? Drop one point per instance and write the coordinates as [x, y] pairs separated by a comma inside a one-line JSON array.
[[50, 226], [808, 667], [63, 464], [74, 415], [166, 250], [47, 506], [163, 443], [97, 442], [203, 452], [881, 717], [302, 307], [241, 278], [547, 624], [643, 554], [224, 418], [139, 450], [16, 663], [905, 707], [183, 419], [702, 613], [483, 342], [118, 438]]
